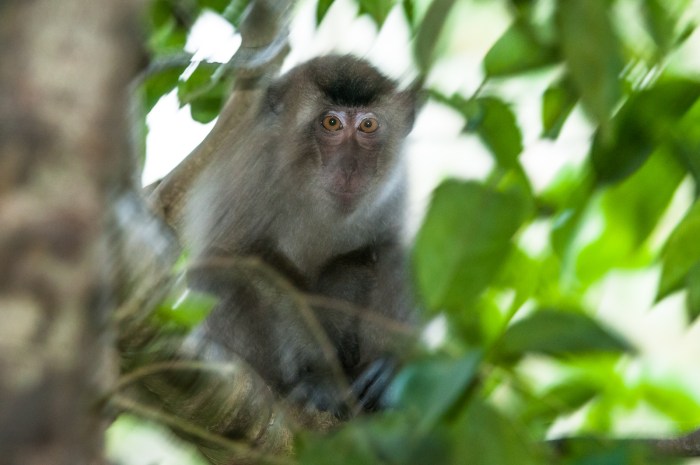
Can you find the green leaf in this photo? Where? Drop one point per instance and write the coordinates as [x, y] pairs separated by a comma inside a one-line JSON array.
[[186, 309], [429, 33], [557, 333], [647, 119], [321, 9], [205, 91], [378, 10], [660, 23], [497, 128], [693, 298], [348, 446], [516, 51], [215, 5], [409, 11], [160, 83], [464, 241], [631, 212], [592, 53], [561, 399], [557, 103], [473, 437], [166, 34], [672, 401], [681, 253], [432, 388]]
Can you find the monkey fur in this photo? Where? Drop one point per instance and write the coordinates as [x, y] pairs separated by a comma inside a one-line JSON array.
[[310, 185]]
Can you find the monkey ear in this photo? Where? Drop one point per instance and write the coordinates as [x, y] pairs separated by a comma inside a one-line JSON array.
[[411, 101], [275, 97]]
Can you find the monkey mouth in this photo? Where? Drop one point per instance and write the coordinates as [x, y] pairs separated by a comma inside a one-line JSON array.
[[346, 199]]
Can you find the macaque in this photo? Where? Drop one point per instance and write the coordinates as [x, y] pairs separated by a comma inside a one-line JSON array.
[[305, 197]]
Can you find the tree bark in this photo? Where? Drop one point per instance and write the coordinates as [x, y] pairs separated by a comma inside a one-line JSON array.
[[65, 71]]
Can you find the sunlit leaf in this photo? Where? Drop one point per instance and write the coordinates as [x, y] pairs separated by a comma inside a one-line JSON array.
[[557, 103], [321, 9], [432, 388], [647, 119], [681, 253], [558, 333], [429, 33], [516, 51], [592, 53], [463, 242], [672, 401], [185, 309], [631, 212], [378, 10]]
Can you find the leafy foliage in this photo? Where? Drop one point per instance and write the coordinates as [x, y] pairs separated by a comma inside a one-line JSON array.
[[474, 399]]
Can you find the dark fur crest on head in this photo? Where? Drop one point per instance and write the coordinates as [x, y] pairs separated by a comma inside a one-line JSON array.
[[349, 81]]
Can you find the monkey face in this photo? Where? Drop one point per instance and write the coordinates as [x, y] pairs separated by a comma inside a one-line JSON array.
[[350, 142]]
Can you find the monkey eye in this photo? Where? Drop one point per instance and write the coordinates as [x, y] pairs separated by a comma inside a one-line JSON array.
[[332, 123], [369, 125]]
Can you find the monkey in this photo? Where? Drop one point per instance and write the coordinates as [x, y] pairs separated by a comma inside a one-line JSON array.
[[312, 185]]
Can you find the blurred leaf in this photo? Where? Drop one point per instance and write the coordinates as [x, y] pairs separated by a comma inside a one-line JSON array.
[[185, 309], [350, 445], [234, 11], [409, 10], [159, 83], [204, 91], [684, 142], [592, 53], [604, 451], [563, 398], [558, 333], [464, 240], [660, 23], [215, 5], [681, 253], [516, 51], [473, 437], [432, 388], [166, 34], [557, 103], [429, 33], [647, 119], [321, 9], [378, 10], [631, 212], [674, 402], [498, 129], [522, 274], [693, 297]]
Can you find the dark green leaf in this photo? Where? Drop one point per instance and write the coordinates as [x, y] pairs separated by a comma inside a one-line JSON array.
[[681, 253], [348, 446], [647, 119], [204, 91], [516, 51], [321, 9], [558, 333], [561, 399], [557, 103], [378, 10], [432, 388], [409, 10], [160, 83], [429, 33], [463, 242], [216, 5], [693, 298], [592, 53]]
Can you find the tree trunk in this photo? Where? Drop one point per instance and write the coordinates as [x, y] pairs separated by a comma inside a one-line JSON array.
[[65, 70]]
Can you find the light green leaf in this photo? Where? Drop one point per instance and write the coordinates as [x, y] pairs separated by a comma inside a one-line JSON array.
[[681, 253], [558, 333], [518, 50], [496, 126], [464, 241], [592, 53]]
